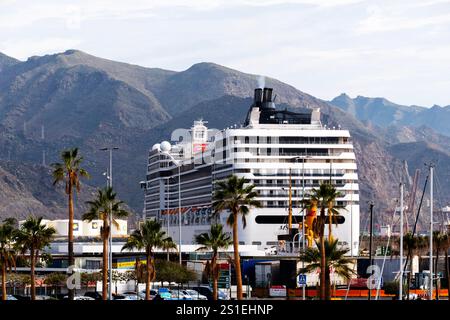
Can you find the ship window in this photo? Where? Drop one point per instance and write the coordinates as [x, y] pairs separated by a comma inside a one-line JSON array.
[[247, 140], [256, 243], [242, 243]]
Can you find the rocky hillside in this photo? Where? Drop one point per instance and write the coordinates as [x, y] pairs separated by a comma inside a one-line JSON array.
[[75, 99], [384, 113]]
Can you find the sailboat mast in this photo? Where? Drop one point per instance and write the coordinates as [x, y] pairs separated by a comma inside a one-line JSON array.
[[431, 232]]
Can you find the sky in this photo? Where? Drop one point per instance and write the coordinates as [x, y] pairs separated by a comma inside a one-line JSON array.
[[395, 49]]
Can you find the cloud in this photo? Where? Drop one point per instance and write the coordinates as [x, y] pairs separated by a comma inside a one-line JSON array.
[[323, 47], [20, 48]]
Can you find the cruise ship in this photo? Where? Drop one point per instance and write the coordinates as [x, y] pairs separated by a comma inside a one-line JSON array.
[[284, 154]]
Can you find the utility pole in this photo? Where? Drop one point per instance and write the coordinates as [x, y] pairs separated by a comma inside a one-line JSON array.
[[400, 294], [370, 242], [110, 180]]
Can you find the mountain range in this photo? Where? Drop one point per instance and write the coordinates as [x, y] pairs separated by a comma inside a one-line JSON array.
[[52, 102]]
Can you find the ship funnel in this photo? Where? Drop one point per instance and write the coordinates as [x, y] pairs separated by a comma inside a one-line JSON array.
[[267, 99], [258, 97], [267, 95]]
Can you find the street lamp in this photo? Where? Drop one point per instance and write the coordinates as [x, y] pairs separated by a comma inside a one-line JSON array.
[[303, 210], [110, 184], [165, 148]]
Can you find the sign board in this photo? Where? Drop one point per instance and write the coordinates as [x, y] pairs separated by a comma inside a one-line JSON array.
[[277, 291], [301, 279], [224, 276]]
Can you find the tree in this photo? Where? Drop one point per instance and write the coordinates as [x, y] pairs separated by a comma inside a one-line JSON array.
[[69, 172], [446, 247], [411, 244], [440, 243], [103, 207], [173, 272], [215, 240], [7, 252], [148, 238], [90, 277], [334, 259], [232, 195], [325, 197], [33, 237], [55, 280]]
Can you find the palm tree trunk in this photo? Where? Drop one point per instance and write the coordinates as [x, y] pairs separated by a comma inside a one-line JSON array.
[[148, 278], [33, 280], [237, 260], [105, 260], [322, 255], [323, 283], [328, 284], [71, 293], [409, 257], [330, 220], [215, 275], [4, 281]]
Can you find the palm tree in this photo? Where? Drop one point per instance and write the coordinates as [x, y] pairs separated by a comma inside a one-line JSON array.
[[69, 171], [411, 244], [334, 259], [214, 240], [33, 236], [440, 241], [104, 207], [232, 195], [446, 247], [7, 252], [149, 237], [325, 197]]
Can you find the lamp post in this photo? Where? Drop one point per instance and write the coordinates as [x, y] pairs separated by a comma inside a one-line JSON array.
[[304, 157], [165, 148], [109, 177]]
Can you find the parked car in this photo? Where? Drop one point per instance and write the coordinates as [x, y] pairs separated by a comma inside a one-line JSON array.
[[153, 294], [179, 295], [208, 293], [21, 297], [127, 297], [80, 298], [43, 297], [195, 295], [93, 294], [165, 294]]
